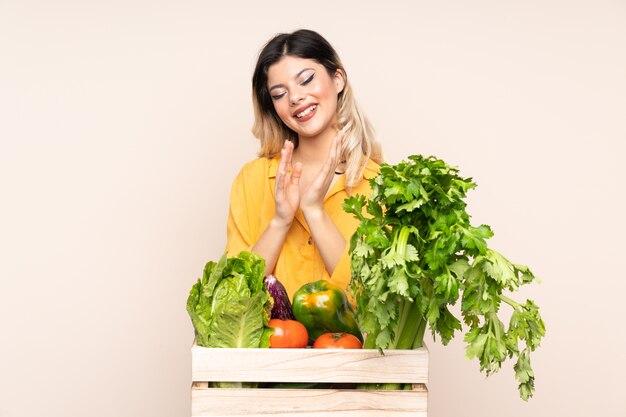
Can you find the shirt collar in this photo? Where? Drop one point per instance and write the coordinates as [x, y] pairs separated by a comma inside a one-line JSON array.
[[371, 170], [273, 167]]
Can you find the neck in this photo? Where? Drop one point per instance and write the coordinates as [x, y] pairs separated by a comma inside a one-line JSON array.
[[314, 149]]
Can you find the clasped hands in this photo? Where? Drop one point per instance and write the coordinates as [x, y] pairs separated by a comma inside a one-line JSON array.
[[288, 195]]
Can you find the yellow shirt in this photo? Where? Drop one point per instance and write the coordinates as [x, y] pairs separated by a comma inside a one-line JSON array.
[[252, 207]]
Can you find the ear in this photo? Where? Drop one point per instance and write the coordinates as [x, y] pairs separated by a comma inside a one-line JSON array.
[[340, 80]]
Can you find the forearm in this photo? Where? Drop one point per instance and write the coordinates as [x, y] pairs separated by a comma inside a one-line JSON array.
[[328, 239], [270, 243]]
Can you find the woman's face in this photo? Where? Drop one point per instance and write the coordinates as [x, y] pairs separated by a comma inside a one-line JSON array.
[[304, 95]]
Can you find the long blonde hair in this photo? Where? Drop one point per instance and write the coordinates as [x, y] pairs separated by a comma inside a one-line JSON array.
[[360, 143]]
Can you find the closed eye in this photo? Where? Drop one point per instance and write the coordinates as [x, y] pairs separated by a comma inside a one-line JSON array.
[[308, 80], [305, 82]]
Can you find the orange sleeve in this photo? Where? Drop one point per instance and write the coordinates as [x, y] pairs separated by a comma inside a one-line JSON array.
[[341, 274], [238, 230], [346, 224]]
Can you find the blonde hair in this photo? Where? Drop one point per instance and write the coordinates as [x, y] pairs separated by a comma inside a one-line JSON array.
[[360, 143]]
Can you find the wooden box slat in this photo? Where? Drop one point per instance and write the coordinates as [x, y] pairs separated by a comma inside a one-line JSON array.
[[309, 365], [263, 402]]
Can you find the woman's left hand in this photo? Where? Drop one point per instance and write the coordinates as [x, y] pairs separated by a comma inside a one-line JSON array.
[[312, 201]]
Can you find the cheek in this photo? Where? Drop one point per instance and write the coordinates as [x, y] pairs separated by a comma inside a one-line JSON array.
[[282, 110], [279, 108], [320, 91], [327, 93]]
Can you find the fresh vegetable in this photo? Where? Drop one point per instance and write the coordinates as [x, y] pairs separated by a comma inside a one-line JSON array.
[[230, 307], [324, 307], [337, 341], [288, 334], [415, 253], [282, 306]]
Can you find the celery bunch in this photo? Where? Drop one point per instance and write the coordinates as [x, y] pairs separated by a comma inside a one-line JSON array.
[[415, 253]]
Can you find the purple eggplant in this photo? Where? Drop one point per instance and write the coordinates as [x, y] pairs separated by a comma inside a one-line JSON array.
[[282, 306]]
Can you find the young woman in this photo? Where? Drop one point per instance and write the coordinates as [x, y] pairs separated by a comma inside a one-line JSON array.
[[317, 148]]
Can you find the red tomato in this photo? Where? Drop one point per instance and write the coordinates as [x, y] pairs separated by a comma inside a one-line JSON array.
[[288, 334], [337, 341]]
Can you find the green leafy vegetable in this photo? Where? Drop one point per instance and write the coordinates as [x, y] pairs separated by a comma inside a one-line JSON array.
[[229, 306], [239, 326], [415, 253]]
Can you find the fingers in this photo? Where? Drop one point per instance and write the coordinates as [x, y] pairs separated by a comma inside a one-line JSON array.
[[288, 153], [282, 173], [297, 173], [334, 156], [288, 149]]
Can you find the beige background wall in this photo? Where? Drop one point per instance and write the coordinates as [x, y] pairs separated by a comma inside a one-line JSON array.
[[123, 123]]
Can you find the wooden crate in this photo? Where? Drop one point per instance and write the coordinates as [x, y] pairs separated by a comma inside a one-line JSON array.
[[308, 365]]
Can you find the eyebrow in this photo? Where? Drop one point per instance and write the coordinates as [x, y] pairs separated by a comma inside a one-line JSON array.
[[296, 76]]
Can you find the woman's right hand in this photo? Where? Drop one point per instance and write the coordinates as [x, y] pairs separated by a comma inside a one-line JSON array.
[[287, 188]]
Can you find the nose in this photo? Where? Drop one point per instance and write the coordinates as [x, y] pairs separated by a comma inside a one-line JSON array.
[[295, 97]]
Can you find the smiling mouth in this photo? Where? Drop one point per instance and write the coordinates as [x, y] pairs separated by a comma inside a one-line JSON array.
[[306, 112]]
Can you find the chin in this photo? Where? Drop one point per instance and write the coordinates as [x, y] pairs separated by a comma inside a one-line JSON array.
[[309, 134], [312, 131]]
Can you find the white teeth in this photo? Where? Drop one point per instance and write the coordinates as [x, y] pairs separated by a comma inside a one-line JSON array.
[[305, 112]]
